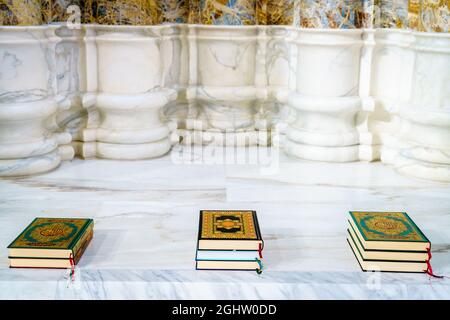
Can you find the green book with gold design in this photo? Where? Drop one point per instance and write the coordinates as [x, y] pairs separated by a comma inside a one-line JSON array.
[[51, 243], [394, 231]]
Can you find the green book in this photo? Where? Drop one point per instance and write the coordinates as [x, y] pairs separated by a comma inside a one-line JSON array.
[[51, 243], [394, 231]]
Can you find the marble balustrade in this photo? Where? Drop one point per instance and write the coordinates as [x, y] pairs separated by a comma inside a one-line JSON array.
[[122, 92]]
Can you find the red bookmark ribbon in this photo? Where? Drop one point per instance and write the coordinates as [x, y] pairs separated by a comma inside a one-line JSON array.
[[429, 270], [72, 266], [260, 249]]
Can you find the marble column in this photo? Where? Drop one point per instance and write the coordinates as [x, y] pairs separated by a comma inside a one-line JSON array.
[[326, 96], [223, 85], [124, 96], [392, 72], [28, 142], [424, 133]]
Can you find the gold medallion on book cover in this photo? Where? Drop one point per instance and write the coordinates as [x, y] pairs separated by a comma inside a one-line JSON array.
[[228, 225]]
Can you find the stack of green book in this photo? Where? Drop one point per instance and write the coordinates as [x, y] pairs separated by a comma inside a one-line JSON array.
[[387, 241], [51, 243]]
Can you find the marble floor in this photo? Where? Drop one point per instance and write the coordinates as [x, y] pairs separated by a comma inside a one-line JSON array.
[[146, 219]]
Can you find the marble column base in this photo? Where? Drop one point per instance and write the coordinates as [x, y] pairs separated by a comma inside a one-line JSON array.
[[26, 145], [324, 129], [424, 145], [128, 126]]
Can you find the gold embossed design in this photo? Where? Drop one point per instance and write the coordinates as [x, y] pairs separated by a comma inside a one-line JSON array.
[[391, 226], [20, 12], [50, 233], [228, 225]]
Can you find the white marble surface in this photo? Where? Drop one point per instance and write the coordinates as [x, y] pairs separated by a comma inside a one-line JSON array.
[[146, 219]]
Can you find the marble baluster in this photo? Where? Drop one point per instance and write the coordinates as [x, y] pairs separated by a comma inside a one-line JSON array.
[[392, 71], [126, 95], [222, 90], [28, 145], [175, 59], [424, 134], [326, 98]]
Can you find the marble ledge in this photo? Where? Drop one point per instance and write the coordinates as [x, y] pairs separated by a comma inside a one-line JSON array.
[[146, 220]]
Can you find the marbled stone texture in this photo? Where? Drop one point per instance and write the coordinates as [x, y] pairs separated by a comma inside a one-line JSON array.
[[336, 14], [277, 12], [194, 12], [228, 12], [122, 12], [56, 10], [435, 16], [413, 14], [391, 14], [175, 11], [20, 12]]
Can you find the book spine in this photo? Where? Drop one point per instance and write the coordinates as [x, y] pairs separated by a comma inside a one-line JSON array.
[[82, 244]]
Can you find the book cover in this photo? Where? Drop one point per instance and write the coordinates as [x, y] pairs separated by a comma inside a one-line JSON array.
[[387, 226], [228, 225], [54, 233]]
